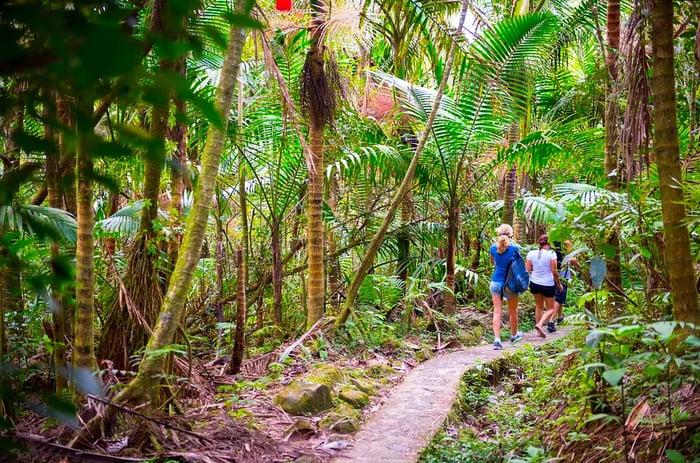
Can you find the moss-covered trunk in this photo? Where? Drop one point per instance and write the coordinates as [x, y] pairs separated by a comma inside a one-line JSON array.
[[142, 388]]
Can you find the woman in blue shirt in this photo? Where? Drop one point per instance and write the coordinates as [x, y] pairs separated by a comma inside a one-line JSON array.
[[501, 253]]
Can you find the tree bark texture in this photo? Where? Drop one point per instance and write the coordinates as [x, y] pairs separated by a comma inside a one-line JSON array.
[[83, 346], [666, 147], [612, 145], [318, 93], [56, 303]]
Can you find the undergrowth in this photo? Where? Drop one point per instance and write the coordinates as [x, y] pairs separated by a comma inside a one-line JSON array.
[[625, 393], [496, 416]]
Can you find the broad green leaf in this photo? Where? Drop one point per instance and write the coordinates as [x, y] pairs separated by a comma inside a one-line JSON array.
[[675, 456], [664, 330], [613, 377]]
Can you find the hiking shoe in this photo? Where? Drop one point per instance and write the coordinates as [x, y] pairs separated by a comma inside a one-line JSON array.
[[497, 345], [551, 327], [518, 336], [560, 320]]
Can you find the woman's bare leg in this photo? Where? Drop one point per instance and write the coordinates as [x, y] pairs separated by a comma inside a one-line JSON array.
[[513, 315], [497, 311]]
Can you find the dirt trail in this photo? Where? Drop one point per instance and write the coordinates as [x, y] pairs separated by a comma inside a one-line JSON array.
[[418, 406]]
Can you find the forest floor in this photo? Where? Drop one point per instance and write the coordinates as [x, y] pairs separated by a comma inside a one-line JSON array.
[[222, 418], [226, 418]]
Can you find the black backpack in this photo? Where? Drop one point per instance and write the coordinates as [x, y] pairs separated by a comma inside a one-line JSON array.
[[517, 278]]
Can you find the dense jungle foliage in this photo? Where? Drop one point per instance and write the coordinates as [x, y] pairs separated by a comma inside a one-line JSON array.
[[195, 181]]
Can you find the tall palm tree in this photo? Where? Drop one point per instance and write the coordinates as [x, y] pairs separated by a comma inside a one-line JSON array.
[[612, 136], [666, 149], [152, 367], [319, 102]]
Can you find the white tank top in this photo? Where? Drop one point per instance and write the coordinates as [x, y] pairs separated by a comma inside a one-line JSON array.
[[541, 266]]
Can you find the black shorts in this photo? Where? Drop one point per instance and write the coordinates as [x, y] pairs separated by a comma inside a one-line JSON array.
[[546, 291], [560, 296]]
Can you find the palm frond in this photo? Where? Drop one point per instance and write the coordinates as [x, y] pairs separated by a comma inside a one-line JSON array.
[[125, 222], [541, 210], [585, 195], [367, 157], [39, 221], [508, 53]]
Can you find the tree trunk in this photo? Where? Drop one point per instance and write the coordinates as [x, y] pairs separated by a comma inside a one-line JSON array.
[[84, 344], [276, 271], [66, 191], [452, 235], [317, 95], [152, 366], [511, 180], [666, 147], [612, 143], [56, 304], [241, 314], [376, 242]]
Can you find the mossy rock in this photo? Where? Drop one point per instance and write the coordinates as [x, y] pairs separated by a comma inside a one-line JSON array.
[[342, 420], [304, 398], [354, 397], [380, 371], [363, 385], [473, 336], [327, 374]]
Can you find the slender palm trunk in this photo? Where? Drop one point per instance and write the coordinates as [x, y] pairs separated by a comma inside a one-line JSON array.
[[666, 146], [612, 141], [83, 346], [152, 366], [453, 220], [276, 271], [314, 234], [241, 302], [317, 94], [59, 343], [376, 242], [509, 186]]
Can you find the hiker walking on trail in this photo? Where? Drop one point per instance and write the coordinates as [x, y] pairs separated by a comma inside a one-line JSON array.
[[501, 253], [564, 266], [544, 281]]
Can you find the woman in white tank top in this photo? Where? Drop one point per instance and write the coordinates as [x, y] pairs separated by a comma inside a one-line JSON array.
[[544, 280]]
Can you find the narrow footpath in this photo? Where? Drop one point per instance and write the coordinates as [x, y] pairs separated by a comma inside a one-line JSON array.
[[418, 407]]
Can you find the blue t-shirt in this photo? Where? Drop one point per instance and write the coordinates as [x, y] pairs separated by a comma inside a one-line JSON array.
[[501, 260]]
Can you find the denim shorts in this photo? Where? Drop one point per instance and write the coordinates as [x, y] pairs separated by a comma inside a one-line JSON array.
[[497, 290]]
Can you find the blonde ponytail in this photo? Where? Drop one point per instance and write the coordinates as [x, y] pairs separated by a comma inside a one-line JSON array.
[[505, 233]]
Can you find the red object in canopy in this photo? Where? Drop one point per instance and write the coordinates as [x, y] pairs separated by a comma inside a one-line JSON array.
[[284, 5]]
